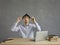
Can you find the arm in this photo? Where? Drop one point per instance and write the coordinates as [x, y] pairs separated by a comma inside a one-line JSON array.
[[36, 25], [15, 27]]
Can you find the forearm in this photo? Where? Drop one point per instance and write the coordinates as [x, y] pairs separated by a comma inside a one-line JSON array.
[[14, 27], [37, 26]]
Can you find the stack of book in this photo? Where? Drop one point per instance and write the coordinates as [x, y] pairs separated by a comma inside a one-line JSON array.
[[52, 38]]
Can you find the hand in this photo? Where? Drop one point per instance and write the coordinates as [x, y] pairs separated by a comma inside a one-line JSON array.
[[33, 19], [19, 19]]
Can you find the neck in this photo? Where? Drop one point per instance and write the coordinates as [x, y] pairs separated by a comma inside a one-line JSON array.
[[26, 23]]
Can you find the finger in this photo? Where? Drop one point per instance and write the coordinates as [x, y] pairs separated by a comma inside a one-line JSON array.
[[19, 17], [32, 17]]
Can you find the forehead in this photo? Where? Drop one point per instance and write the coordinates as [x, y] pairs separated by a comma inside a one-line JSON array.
[[26, 17]]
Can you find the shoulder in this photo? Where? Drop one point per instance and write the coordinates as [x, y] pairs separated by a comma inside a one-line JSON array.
[[20, 25], [31, 24]]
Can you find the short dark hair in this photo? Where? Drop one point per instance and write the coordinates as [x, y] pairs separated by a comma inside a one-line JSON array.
[[25, 16]]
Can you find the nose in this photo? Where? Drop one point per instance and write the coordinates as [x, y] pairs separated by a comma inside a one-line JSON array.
[[25, 20]]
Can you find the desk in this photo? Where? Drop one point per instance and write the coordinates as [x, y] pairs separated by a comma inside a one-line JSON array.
[[21, 41]]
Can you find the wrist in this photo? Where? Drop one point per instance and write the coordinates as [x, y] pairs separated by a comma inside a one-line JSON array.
[[17, 22], [34, 21]]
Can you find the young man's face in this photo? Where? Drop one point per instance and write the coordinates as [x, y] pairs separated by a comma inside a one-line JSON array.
[[26, 19]]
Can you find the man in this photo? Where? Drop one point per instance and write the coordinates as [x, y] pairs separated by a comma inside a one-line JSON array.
[[27, 29]]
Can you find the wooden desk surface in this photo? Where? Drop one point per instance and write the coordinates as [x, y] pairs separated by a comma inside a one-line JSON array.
[[21, 41]]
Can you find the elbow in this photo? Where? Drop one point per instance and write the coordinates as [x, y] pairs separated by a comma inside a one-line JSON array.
[[39, 28], [12, 30]]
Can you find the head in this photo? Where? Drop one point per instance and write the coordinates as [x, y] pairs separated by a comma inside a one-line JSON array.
[[26, 18]]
